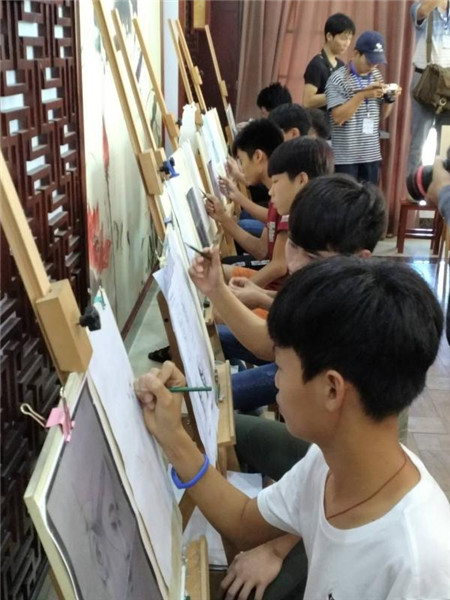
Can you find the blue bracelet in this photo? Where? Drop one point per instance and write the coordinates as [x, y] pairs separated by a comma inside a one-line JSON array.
[[182, 486]]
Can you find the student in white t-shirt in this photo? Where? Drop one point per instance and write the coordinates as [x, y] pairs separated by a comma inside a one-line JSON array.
[[353, 342]]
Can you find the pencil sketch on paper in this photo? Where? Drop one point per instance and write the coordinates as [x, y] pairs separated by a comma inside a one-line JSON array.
[[214, 179], [197, 218], [192, 341], [91, 519], [113, 378]]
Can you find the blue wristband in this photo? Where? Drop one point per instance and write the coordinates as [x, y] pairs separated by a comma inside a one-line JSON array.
[[183, 486]]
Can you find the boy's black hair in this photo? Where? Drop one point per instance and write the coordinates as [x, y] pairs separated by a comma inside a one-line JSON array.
[[320, 122], [260, 134], [312, 156], [339, 23], [273, 95], [375, 322], [338, 214], [288, 116]]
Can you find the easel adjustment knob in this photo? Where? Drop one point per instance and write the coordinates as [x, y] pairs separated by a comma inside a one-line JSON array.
[[168, 168], [91, 319]]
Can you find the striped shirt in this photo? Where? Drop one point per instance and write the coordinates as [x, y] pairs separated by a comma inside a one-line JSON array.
[[350, 145], [440, 48]]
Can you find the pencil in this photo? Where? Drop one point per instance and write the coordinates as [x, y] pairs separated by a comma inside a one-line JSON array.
[[198, 251], [190, 389], [178, 389]]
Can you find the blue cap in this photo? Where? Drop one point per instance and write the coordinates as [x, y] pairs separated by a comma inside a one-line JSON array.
[[372, 45]]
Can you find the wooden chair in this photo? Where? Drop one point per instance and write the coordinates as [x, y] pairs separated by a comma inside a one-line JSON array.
[[425, 233]]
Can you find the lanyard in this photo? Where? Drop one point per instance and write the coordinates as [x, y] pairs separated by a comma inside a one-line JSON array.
[[360, 82]]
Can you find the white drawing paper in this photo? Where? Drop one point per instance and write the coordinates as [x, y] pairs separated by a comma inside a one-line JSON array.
[[192, 339], [113, 378]]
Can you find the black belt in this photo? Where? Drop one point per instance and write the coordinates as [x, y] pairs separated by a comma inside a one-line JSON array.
[[417, 70]]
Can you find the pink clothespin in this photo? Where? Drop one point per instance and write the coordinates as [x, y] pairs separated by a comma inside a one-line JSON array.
[[61, 416]]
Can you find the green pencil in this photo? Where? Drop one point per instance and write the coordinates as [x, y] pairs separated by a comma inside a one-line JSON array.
[[189, 389]]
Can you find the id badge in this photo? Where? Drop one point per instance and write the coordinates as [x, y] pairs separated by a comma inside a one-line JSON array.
[[368, 126], [446, 40]]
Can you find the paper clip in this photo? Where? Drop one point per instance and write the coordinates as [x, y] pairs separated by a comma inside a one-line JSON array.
[[57, 416], [26, 409]]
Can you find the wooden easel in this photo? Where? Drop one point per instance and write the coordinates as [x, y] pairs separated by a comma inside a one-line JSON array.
[[168, 118], [53, 303], [222, 87], [226, 436], [58, 316], [186, 55]]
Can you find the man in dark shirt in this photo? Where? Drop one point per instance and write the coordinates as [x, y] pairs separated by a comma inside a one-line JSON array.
[[339, 31]]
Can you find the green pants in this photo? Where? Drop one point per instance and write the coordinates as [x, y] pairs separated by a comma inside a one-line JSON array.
[[265, 446]]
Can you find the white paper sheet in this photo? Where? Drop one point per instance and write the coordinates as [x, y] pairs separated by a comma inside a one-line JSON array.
[[231, 120], [193, 342], [188, 127], [112, 375]]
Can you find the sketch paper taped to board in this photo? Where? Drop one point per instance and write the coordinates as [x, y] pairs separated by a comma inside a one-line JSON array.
[[188, 204], [191, 164], [212, 124], [113, 377], [82, 506], [193, 342]]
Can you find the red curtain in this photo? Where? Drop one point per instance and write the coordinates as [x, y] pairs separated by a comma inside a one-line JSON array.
[[264, 24], [303, 38]]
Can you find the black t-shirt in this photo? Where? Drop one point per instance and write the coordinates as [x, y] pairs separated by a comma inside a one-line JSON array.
[[318, 71]]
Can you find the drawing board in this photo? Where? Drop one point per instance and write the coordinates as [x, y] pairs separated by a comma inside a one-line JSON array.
[[192, 339], [83, 509], [144, 464]]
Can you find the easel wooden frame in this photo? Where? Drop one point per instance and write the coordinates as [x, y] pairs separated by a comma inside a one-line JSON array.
[[54, 303], [222, 85], [168, 118], [193, 69]]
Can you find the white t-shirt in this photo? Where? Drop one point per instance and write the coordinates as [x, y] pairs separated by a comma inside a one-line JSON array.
[[404, 555]]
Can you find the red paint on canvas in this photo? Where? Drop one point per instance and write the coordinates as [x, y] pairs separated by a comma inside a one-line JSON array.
[[99, 245]]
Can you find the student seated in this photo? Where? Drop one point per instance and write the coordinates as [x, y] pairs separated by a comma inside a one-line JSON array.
[[253, 147], [291, 166], [320, 125], [272, 96], [292, 119], [353, 342], [331, 215]]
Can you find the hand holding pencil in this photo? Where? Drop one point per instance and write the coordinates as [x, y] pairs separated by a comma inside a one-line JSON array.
[[206, 271]]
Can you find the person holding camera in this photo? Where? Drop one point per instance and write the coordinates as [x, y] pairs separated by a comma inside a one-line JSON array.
[[358, 100], [431, 20]]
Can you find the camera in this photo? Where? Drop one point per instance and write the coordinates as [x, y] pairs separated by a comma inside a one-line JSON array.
[[389, 92], [419, 181]]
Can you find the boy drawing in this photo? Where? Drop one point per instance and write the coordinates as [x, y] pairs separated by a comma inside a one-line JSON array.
[[353, 342]]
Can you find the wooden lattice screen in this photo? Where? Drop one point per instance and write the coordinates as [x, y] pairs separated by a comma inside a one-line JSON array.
[[41, 139]]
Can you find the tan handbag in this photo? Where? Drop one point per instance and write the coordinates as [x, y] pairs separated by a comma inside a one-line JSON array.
[[433, 87]]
